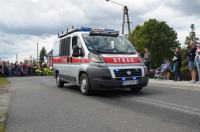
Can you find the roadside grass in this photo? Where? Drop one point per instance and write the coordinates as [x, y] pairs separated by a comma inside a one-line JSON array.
[[2, 124], [2, 127], [3, 82]]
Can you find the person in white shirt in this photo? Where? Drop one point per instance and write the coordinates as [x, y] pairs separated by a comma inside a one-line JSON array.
[[197, 60]]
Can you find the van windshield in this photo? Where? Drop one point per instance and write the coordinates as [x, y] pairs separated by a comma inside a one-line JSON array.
[[108, 44]]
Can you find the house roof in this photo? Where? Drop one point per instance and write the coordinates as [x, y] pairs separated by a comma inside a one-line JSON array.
[[50, 53]]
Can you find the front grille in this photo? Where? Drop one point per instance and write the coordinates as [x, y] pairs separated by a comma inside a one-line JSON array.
[[128, 72]]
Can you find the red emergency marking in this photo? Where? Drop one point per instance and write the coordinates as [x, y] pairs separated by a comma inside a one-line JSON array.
[[84, 60], [60, 60], [80, 60], [67, 60], [122, 60], [109, 60]]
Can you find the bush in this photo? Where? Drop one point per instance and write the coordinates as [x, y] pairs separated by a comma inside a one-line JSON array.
[[44, 72]]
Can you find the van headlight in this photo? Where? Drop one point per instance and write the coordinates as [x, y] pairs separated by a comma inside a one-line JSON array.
[[96, 58]]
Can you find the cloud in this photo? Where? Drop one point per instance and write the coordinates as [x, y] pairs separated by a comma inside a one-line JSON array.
[[23, 45], [174, 18], [187, 7], [50, 16]]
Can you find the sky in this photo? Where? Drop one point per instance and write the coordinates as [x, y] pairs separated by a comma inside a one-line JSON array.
[[24, 23]]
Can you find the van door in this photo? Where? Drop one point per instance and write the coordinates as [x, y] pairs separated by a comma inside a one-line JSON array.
[[75, 61], [64, 52]]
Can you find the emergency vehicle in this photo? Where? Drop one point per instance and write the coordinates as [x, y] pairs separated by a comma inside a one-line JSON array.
[[97, 59]]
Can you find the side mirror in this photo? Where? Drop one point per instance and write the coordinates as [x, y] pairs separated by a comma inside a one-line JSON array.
[[77, 51]]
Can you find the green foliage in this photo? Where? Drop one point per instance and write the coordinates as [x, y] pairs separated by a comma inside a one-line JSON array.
[[156, 36], [46, 71], [38, 72], [43, 54], [184, 66], [2, 127]]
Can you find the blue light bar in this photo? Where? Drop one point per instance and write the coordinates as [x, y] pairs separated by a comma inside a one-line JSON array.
[[93, 31], [85, 29], [89, 29]]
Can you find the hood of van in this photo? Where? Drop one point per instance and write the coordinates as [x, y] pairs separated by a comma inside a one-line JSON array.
[[121, 59]]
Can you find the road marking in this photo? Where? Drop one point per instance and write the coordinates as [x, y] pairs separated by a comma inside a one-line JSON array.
[[191, 88], [185, 109]]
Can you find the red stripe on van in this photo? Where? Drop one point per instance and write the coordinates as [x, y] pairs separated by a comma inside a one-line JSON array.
[[122, 60], [80, 60], [60, 60], [76, 60], [67, 59]]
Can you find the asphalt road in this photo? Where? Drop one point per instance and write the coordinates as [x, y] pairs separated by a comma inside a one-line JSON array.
[[37, 105]]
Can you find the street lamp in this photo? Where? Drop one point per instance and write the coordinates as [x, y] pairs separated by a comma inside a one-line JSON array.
[[125, 16]]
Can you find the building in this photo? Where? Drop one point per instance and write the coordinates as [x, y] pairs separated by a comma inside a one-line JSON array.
[[50, 58]]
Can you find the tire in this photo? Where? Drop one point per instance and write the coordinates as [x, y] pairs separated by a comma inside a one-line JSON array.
[[85, 85], [59, 82], [136, 89]]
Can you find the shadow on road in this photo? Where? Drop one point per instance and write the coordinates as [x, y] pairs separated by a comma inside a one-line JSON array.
[[115, 93]]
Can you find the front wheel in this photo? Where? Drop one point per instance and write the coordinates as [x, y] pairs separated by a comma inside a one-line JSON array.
[[136, 89], [59, 82], [84, 85]]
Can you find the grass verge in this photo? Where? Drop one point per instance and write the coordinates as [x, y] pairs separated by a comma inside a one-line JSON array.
[[2, 127], [3, 82]]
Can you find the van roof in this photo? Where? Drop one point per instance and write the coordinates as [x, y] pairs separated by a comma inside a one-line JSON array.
[[93, 31]]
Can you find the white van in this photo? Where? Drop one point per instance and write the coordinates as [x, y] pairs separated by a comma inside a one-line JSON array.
[[98, 59]]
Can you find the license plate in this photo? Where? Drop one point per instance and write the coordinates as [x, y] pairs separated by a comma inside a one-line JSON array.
[[130, 82]]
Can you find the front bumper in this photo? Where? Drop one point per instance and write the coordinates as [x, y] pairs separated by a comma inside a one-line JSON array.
[[101, 78]]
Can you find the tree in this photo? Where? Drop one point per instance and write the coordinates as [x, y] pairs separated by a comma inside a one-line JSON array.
[[191, 36], [43, 54], [158, 37]]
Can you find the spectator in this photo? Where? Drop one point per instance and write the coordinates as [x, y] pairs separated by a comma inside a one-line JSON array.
[[191, 57], [1, 70], [177, 65], [167, 73], [6, 70], [12, 69], [197, 60], [147, 58]]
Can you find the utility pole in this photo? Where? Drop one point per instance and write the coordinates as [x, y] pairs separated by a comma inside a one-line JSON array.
[[125, 17], [126, 20], [16, 57]]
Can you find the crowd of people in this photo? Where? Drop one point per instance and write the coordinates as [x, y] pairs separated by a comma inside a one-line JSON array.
[[16, 69], [173, 65]]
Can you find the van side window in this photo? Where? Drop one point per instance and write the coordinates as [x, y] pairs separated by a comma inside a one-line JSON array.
[[65, 46], [76, 41]]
